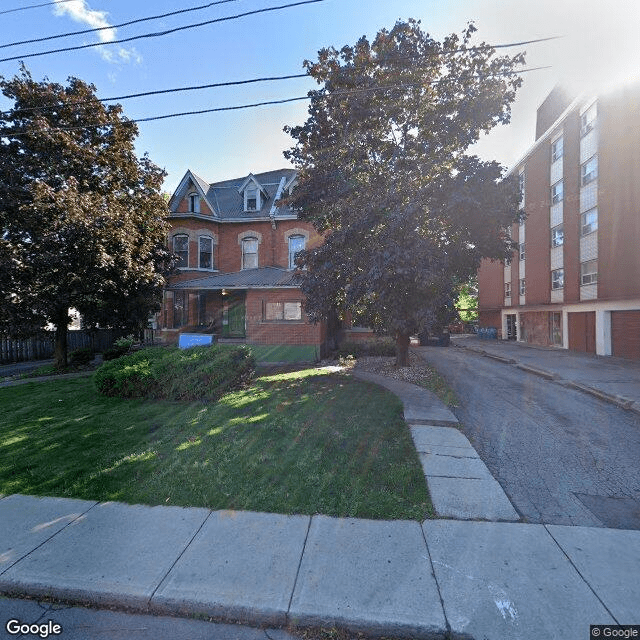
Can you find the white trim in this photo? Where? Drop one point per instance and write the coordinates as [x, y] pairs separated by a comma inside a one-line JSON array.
[[179, 193]]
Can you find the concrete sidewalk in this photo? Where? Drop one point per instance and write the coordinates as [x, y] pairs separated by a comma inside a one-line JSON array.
[[473, 579], [614, 380]]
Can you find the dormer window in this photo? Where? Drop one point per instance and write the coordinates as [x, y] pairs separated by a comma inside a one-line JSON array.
[[194, 203], [251, 200]]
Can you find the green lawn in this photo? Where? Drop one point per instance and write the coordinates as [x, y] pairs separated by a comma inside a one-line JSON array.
[[300, 442]]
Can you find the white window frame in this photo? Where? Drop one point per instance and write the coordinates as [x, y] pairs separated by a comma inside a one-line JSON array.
[[588, 119], [557, 149], [175, 250], [557, 236], [248, 195], [522, 183], [200, 239], [507, 289], [522, 287], [292, 253], [557, 279], [589, 171], [282, 311], [194, 202], [245, 253], [588, 272], [522, 250], [588, 227], [557, 192]]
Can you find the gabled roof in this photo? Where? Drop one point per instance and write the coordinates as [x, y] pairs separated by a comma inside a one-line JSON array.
[[249, 179], [262, 278], [201, 186], [226, 199]]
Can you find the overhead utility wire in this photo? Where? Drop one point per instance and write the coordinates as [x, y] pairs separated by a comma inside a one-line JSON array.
[[282, 101], [163, 33], [32, 6], [214, 85], [116, 26]]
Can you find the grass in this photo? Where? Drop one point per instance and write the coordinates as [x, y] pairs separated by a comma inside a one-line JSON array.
[[435, 383], [303, 442]]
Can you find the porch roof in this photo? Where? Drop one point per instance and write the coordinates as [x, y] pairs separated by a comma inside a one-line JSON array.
[[261, 278]]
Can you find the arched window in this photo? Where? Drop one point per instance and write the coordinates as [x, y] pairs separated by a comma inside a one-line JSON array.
[[205, 252], [250, 253], [194, 203], [181, 249], [296, 244]]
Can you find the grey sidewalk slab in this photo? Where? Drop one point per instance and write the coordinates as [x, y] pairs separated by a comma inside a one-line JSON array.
[[435, 465], [369, 576], [470, 499], [241, 565], [606, 559], [426, 436], [507, 581], [454, 452], [114, 554], [419, 404], [28, 521]]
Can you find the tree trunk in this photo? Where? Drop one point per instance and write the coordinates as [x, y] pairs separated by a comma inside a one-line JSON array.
[[60, 351], [402, 349]]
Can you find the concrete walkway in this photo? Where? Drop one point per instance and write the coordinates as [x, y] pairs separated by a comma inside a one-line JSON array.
[[614, 380], [467, 578]]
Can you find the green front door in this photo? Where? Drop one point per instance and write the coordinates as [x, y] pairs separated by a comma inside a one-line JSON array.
[[233, 318]]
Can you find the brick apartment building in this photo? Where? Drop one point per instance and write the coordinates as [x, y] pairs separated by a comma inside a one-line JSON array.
[[575, 280], [237, 276]]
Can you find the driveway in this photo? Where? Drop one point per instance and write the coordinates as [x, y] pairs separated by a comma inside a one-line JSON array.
[[562, 456]]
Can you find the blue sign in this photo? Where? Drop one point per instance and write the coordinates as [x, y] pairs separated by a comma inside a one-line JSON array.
[[187, 340]]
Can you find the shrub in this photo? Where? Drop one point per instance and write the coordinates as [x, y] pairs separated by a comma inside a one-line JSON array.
[[360, 348], [83, 355], [199, 373]]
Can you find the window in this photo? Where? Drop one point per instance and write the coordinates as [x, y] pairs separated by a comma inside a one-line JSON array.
[[251, 200], [250, 253], [180, 311], [205, 260], [589, 171], [557, 236], [194, 203], [521, 187], [521, 250], [589, 222], [557, 149], [507, 262], [282, 311], [588, 120], [181, 249], [296, 244], [557, 279], [589, 272], [523, 287], [507, 289], [557, 191]]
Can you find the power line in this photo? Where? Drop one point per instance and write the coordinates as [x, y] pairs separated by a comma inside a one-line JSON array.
[[281, 101], [32, 6], [114, 26], [163, 33]]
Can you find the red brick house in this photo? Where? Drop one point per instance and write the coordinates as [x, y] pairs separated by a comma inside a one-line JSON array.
[[575, 280], [236, 275]]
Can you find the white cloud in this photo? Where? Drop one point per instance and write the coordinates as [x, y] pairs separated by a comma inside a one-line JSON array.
[[79, 11]]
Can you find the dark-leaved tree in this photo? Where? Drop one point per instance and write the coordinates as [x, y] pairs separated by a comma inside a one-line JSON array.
[[82, 220], [406, 214]]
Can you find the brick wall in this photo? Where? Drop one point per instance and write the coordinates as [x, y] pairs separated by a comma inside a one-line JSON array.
[[571, 207], [490, 288], [535, 327]]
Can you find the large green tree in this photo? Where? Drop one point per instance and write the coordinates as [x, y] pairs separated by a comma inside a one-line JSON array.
[[406, 213], [82, 220]]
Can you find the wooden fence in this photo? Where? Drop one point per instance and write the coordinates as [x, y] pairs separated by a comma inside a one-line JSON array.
[[41, 347]]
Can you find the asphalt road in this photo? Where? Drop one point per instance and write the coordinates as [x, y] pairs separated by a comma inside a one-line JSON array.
[[562, 456]]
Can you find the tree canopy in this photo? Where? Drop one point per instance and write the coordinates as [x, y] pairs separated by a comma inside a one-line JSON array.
[[406, 213], [82, 221]]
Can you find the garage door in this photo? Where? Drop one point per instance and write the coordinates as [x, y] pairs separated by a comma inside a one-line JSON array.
[[582, 331], [625, 334]]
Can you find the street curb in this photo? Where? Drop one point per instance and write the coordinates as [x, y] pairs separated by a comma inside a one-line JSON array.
[[619, 401], [537, 372]]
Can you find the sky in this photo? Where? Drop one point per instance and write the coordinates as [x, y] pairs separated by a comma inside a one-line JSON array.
[[599, 49]]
